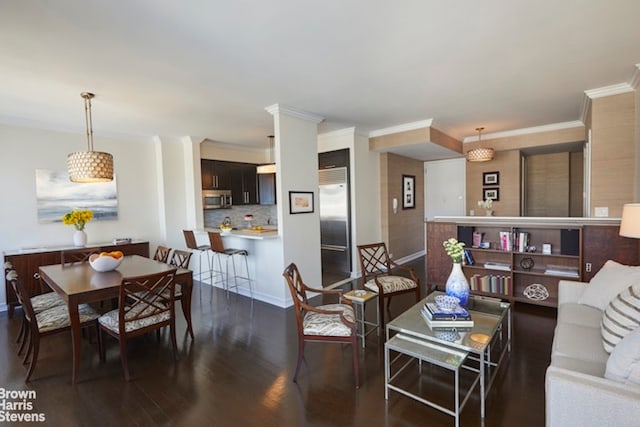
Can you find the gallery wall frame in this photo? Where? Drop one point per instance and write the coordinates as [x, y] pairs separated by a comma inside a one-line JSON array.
[[491, 178], [300, 202], [491, 194], [408, 191]]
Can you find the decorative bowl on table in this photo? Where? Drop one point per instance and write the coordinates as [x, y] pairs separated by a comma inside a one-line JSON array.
[[447, 302], [106, 261]]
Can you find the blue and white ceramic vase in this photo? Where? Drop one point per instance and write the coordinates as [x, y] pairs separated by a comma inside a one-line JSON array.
[[457, 284]]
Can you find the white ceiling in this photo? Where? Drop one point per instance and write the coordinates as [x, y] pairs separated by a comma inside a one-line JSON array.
[[208, 69]]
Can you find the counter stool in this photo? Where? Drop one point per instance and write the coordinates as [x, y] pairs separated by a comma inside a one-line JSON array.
[[190, 240], [217, 246]]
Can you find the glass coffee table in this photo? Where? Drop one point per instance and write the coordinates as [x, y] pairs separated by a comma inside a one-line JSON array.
[[479, 349]]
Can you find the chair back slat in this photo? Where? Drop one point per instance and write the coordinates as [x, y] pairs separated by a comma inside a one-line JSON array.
[[297, 289], [76, 256], [180, 258], [162, 253], [190, 239], [146, 296], [374, 260], [215, 240]]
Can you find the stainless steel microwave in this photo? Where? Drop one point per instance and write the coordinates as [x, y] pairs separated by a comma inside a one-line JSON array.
[[216, 199]]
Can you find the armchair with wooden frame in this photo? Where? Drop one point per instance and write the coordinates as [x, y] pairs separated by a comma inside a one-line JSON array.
[[379, 276], [333, 323]]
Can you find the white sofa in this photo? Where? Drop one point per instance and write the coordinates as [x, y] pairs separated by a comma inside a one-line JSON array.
[[577, 392]]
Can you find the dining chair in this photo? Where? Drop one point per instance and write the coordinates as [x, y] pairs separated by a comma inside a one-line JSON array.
[[180, 259], [190, 240], [145, 303], [71, 257], [219, 250], [379, 276], [162, 253], [39, 303], [47, 322], [332, 323]]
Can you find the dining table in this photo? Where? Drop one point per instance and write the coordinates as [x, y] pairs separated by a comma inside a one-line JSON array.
[[80, 283]]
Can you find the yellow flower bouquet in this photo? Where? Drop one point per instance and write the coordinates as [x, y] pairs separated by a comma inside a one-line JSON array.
[[77, 218]]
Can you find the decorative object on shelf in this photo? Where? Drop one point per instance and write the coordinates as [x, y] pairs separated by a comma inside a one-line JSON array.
[[536, 292], [89, 166], [527, 263], [457, 284], [480, 154], [532, 248], [78, 219], [487, 205]]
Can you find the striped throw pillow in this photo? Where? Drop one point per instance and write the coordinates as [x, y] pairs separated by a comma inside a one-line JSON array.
[[621, 316]]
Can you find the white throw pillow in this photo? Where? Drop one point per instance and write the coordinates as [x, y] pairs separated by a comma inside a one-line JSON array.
[[612, 279], [621, 316], [624, 363]]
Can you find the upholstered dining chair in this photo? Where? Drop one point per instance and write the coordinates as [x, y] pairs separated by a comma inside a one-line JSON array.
[[145, 303], [39, 303], [180, 259], [380, 275], [333, 323], [47, 322], [162, 253]]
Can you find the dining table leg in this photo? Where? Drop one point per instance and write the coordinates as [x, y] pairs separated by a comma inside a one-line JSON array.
[[76, 338]]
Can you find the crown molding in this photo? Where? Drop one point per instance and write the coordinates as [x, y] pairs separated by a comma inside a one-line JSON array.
[[294, 112], [401, 128], [526, 131]]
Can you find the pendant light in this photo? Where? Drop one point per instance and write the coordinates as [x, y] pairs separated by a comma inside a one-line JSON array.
[[480, 154], [271, 166], [89, 166]]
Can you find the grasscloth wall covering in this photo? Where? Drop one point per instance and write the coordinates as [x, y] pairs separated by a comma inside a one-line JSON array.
[[403, 231]]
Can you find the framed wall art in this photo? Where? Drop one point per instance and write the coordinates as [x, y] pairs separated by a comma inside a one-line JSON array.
[[300, 202], [491, 178], [491, 193], [408, 191]]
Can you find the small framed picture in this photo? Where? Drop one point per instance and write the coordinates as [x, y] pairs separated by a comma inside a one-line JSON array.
[[300, 202], [491, 178], [408, 191], [491, 193]]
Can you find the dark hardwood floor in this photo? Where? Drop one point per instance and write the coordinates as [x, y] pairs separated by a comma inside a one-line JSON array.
[[238, 372]]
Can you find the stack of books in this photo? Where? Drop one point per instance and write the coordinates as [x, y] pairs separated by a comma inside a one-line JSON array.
[[561, 270], [459, 317]]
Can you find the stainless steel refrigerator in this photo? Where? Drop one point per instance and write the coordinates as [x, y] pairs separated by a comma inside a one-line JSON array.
[[334, 224]]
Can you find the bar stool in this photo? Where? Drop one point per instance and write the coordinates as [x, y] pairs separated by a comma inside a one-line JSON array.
[[190, 240], [217, 246]]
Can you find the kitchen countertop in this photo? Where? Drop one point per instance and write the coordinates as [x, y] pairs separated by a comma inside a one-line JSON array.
[[246, 233]]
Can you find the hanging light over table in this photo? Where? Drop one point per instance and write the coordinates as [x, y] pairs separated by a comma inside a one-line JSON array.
[[89, 166], [480, 154], [271, 166]]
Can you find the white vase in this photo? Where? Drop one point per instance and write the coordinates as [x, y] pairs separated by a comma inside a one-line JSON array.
[[457, 284], [79, 238], [488, 212]]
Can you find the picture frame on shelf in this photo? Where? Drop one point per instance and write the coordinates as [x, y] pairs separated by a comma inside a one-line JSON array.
[[300, 202], [491, 178], [491, 194], [408, 191]]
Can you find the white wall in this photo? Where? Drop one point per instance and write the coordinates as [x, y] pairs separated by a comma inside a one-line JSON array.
[[24, 150], [445, 188]]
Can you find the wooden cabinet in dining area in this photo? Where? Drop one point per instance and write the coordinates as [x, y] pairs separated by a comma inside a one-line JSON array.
[[27, 261]]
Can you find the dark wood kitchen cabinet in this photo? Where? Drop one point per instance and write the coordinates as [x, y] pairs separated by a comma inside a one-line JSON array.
[[240, 178], [27, 262]]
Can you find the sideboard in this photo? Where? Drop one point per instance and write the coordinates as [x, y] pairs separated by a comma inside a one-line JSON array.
[[27, 261]]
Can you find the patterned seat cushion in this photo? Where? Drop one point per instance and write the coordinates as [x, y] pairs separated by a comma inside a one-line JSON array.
[[329, 325], [58, 317], [46, 301], [391, 284], [110, 320]]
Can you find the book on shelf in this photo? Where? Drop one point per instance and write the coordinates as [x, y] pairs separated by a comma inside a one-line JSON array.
[[477, 239], [523, 241], [495, 284], [435, 324], [497, 266], [432, 311], [468, 257]]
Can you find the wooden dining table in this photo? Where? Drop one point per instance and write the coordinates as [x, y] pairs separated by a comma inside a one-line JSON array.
[[80, 283]]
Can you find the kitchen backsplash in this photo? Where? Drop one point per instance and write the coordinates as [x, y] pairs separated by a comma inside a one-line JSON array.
[[262, 215]]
